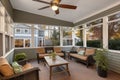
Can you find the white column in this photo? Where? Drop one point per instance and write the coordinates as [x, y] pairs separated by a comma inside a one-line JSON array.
[[105, 32], [61, 36], [84, 36], [73, 37], [32, 36], [3, 36]]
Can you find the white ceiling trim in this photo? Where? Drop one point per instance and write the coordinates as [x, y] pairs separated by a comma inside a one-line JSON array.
[[97, 12]]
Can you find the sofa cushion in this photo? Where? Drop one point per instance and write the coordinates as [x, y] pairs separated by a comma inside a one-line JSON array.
[[89, 51], [79, 56], [79, 49], [27, 66], [60, 54], [5, 68], [41, 50], [57, 49], [42, 55]]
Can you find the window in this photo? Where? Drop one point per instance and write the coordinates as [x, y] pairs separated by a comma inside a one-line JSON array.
[[78, 36], [7, 46], [67, 36], [26, 31], [94, 34], [27, 42], [52, 36], [17, 30], [114, 35], [22, 42], [19, 43]]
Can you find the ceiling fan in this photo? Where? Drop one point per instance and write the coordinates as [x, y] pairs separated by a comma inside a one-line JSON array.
[[55, 4]]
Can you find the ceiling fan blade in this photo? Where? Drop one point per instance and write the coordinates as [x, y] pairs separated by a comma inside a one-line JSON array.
[[44, 7], [42, 1], [67, 6], [57, 11]]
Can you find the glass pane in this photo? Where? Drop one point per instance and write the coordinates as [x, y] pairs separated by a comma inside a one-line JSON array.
[[67, 32], [94, 36], [67, 42], [27, 42], [78, 37], [19, 43], [7, 47], [114, 35], [113, 17], [52, 37]]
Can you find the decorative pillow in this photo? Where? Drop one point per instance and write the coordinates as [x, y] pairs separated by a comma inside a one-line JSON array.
[[81, 52], [17, 68], [27, 66], [5, 68]]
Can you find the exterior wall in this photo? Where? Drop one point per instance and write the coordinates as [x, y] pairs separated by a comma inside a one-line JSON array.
[[114, 61]]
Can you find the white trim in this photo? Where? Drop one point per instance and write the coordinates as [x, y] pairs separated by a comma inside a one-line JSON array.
[[111, 6], [8, 53], [114, 20]]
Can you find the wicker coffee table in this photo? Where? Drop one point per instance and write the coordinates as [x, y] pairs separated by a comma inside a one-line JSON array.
[[57, 62]]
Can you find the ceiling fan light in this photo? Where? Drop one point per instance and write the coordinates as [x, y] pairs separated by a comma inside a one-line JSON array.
[[54, 7]]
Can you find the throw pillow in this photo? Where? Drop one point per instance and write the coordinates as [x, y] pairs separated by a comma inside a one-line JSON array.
[[5, 68], [81, 52], [17, 68]]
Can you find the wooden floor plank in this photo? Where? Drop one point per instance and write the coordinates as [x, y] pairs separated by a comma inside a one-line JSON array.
[[78, 72]]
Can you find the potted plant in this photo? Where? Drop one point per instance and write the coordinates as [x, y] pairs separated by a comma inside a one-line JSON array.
[[53, 55], [20, 56], [101, 62]]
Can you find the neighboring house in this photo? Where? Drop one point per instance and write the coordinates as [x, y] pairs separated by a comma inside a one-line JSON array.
[[23, 36]]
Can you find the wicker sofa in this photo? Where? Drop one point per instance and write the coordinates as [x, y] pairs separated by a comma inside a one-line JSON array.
[[44, 51], [86, 58], [7, 72]]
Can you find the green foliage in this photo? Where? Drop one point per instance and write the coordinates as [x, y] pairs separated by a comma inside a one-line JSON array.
[[53, 55], [79, 43], [20, 56], [101, 59], [91, 43], [94, 43], [114, 44]]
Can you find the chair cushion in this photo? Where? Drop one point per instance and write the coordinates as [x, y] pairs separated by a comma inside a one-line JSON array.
[[41, 50], [27, 66], [42, 55], [60, 54], [89, 51], [57, 49], [79, 56], [5, 68]]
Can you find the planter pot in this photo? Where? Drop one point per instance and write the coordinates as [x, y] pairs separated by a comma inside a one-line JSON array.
[[101, 72]]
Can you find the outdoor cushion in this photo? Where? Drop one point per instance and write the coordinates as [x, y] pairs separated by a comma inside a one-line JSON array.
[[89, 51], [41, 50], [79, 56], [60, 54], [57, 49], [42, 55], [5, 68]]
